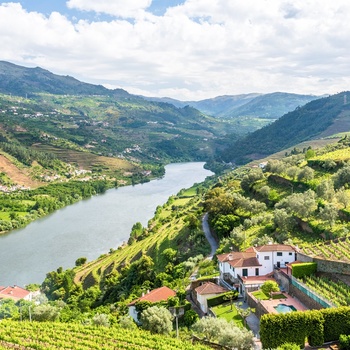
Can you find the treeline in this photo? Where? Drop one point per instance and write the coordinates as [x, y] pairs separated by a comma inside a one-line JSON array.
[[28, 156], [26, 206]]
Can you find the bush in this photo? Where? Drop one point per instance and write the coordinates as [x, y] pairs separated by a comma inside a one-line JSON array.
[[220, 299], [289, 346], [344, 342], [304, 269]]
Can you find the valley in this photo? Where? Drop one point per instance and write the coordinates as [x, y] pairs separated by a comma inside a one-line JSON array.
[[115, 192]]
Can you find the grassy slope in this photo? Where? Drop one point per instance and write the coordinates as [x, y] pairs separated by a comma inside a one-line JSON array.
[[170, 234]]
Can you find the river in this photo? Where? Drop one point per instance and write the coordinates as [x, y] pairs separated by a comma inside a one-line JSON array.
[[88, 228]]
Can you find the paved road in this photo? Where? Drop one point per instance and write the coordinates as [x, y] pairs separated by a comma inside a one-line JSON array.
[[212, 241]]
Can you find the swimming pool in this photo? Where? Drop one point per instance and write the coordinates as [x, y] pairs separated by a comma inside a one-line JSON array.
[[283, 308]]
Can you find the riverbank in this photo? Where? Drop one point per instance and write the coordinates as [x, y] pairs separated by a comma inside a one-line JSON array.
[[88, 228]]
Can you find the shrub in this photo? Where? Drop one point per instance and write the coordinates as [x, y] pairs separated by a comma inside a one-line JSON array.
[[344, 342], [304, 269], [220, 299]]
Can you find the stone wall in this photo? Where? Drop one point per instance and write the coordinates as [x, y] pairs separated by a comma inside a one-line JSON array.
[[255, 304], [304, 258], [332, 266], [282, 280], [305, 299]]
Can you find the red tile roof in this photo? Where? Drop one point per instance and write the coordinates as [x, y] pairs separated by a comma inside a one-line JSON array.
[[156, 295], [245, 262], [275, 248], [210, 288], [15, 292], [258, 279]]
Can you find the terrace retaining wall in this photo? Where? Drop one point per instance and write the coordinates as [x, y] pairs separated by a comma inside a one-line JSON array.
[[305, 299]]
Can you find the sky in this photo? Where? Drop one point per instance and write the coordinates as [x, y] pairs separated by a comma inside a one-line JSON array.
[[184, 49]]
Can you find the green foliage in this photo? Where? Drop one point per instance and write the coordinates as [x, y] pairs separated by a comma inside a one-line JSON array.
[[80, 261], [289, 346], [85, 337], [318, 326], [157, 320], [45, 313], [224, 333], [344, 342], [190, 318], [217, 300], [270, 286], [304, 269]]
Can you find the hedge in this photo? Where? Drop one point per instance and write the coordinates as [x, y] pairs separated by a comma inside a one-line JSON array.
[[318, 326], [219, 299], [304, 269]]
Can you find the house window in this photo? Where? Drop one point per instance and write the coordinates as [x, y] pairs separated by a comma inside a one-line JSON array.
[[290, 253], [279, 253], [266, 258], [256, 271], [245, 272]]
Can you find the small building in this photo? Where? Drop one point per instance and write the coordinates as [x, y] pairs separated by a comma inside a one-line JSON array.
[[237, 267], [154, 296], [206, 291], [15, 293]]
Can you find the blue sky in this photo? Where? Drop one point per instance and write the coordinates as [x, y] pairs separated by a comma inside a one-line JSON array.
[[188, 49]]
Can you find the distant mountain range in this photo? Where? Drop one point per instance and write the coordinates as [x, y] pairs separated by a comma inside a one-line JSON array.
[[323, 117], [263, 106]]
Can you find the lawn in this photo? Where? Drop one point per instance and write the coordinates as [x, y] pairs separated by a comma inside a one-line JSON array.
[[260, 295], [224, 311]]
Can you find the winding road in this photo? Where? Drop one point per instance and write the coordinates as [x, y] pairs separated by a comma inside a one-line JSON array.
[[212, 241]]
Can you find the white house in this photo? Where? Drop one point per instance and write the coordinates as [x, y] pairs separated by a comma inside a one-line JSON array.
[[154, 296], [16, 293], [235, 267], [205, 291]]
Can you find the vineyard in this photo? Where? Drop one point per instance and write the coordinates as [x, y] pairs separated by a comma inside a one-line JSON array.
[[336, 292], [338, 249], [50, 336]]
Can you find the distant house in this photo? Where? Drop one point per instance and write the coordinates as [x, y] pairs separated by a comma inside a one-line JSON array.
[[154, 296], [15, 293], [205, 291], [255, 263]]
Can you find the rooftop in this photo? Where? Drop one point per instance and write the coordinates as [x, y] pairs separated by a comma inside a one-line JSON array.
[[210, 288], [156, 295]]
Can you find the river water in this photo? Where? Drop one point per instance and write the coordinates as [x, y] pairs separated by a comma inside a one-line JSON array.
[[88, 228]]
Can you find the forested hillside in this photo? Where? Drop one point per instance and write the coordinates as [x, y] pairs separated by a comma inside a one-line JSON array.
[[305, 123]]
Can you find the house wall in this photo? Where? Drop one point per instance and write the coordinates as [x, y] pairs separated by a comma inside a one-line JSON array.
[[202, 300], [269, 259], [133, 313]]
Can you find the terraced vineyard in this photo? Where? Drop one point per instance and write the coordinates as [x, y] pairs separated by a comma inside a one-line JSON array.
[[338, 249], [53, 335], [336, 292]]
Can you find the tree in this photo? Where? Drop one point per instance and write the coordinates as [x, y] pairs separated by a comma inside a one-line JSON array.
[[269, 286], [127, 322], [80, 261], [325, 190], [231, 296], [252, 177], [342, 177], [46, 312], [293, 172], [8, 309], [329, 213], [190, 318], [343, 197], [244, 312], [225, 333], [157, 320], [101, 320], [306, 174]]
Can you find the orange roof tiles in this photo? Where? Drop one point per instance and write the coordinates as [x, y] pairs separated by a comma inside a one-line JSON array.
[[156, 295], [15, 292], [210, 288]]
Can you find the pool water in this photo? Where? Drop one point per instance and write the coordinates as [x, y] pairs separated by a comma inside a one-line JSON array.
[[283, 308]]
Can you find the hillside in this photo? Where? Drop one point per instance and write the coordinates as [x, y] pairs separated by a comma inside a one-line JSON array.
[[321, 117], [23, 81]]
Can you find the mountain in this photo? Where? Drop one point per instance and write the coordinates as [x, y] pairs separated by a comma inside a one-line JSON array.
[[268, 106], [319, 118], [23, 81], [264, 106]]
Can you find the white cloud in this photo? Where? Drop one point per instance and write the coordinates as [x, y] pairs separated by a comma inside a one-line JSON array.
[[122, 8], [200, 49]]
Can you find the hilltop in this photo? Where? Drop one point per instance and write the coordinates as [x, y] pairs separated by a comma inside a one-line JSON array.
[[320, 118]]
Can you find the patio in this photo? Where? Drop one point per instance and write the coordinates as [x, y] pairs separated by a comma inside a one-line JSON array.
[[270, 305]]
